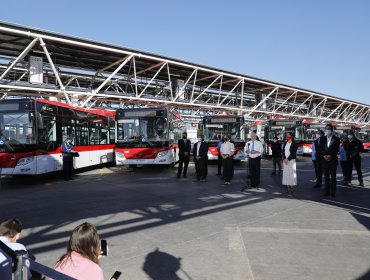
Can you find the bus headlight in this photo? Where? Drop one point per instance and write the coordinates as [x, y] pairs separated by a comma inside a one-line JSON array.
[[24, 161], [162, 154], [120, 155]]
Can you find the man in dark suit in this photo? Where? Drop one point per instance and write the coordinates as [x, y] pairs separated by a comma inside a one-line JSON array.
[[316, 159], [200, 153], [328, 151], [184, 154], [354, 148]]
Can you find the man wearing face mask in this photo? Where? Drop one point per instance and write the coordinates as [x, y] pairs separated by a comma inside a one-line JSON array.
[[276, 155], [316, 159], [328, 150], [184, 155], [254, 151], [227, 153], [200, 153], [67, 153], [354, 147]]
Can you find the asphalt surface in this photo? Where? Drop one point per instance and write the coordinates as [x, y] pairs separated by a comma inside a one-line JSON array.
[[160, 227]]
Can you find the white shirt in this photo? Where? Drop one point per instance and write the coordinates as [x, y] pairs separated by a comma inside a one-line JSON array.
[[328, 139], [287, 149], [227, 148], [12, 245], [198, 146], [257, 147]]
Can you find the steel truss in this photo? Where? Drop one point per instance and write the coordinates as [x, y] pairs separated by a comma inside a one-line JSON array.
[[89, 74]]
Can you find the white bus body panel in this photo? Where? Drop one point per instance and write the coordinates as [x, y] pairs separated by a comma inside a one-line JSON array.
[[42, 164]]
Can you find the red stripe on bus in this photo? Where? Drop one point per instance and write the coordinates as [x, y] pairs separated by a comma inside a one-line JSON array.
[[10, 160], [141, 153]]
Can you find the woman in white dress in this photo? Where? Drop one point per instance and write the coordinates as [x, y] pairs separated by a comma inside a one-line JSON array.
[[289, 160]]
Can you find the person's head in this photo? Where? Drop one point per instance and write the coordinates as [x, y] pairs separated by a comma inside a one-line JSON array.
[[226, 137], [11, 229], [289, 136], [328, 129], [184, 135], [275, 139], [69, 139], [319, 133], [350, 135], [200, 138], [253, 136], [84, 240]]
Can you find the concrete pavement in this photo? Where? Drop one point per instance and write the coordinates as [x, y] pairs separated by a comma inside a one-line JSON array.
[[161, 227]]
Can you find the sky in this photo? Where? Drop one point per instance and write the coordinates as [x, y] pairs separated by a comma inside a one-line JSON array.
[[318, 45]]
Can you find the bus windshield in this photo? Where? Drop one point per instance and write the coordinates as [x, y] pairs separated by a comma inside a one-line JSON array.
[[280, 132], [16, 128], [146, 129], [215, 131]]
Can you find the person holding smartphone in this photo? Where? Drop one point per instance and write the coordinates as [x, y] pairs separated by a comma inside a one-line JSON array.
[[81, 261]]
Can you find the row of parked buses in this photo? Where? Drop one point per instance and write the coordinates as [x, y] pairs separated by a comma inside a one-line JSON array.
[[32, 131]]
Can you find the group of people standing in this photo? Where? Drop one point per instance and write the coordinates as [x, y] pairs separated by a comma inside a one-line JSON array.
[[325, 151], [200, 154]]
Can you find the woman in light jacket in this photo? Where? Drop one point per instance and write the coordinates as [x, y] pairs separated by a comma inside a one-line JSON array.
[[81, 261], [289, 160]]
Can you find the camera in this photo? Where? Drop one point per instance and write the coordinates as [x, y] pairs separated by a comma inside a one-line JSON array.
[[104, 247]]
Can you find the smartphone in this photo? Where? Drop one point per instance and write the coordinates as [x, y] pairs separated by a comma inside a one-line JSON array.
[[116, 275], [104, 247]]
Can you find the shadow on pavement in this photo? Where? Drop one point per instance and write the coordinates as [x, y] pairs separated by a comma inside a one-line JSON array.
[[160, 265]]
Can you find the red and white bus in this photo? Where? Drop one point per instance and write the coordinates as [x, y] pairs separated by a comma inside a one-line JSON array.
[[278, 128], [147, 136], [32, 131], [216, 126], [364, 136], [310, 129]]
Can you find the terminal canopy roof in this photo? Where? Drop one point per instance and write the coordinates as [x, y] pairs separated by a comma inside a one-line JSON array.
[[88, 73]]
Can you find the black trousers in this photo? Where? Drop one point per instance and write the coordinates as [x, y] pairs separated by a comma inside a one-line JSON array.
[[67, 167], [318, 171], [255, 171], [276, 161], [183, 161], [357, 163], [219, 164], [330, 174], [228, 164], [345, 170], [201, 168]]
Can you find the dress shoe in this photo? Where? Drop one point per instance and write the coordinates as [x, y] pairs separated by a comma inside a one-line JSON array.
[[317, 186], [326, 194], [361, 184], [273, 173]]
